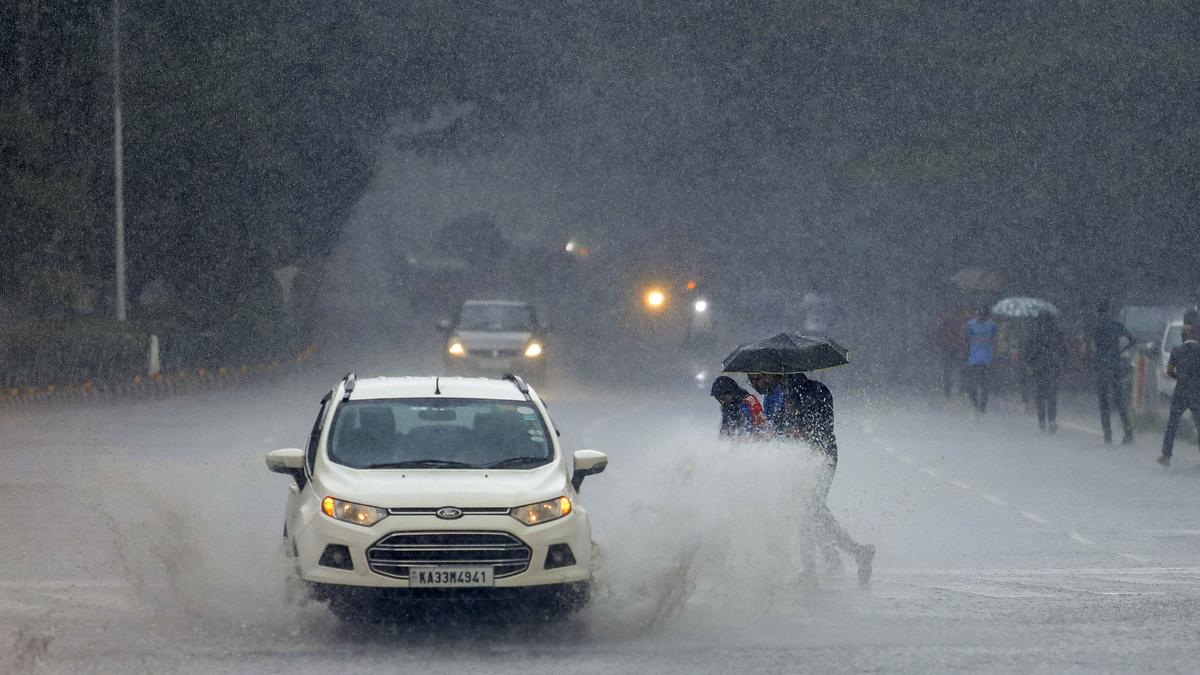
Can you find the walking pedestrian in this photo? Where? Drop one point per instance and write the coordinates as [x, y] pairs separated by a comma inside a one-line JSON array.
[[949, 344], [1184, 366], [741, 413], [1111, 339], [1045, 355], [801, 409], [981, 346]]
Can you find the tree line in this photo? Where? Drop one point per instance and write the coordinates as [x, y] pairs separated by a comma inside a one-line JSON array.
[[1040, 138]]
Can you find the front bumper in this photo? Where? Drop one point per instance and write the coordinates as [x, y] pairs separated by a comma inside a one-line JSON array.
[[321, 531]]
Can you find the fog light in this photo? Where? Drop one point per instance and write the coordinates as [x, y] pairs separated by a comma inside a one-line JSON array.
[[336, 556], [558, 555]]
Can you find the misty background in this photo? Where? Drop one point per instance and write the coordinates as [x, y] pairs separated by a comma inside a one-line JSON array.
[[306, 171]]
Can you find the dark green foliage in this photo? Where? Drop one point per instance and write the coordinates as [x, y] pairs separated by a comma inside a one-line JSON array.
[[1056, 141], [71, 352]]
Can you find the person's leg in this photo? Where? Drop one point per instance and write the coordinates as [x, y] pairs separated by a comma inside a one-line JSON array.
[[972, 374], [1102, 391], [984, 376], [1177, 408], [1039, 399], [1121, 398], [831, 530], [1052, 402], [949, 362]]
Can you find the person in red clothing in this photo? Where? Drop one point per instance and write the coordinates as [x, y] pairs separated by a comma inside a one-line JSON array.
[[950, 350], [741, 413]]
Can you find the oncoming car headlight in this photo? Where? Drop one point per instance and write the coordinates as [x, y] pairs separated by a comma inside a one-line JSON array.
[[542, 512], [456, 349], [352, 513], [534, 350]]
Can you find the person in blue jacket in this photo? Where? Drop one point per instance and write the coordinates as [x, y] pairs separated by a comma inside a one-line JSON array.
[[981, 346], [801, 409]]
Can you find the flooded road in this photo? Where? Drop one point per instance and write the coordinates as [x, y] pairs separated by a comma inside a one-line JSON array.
[[143, 536]]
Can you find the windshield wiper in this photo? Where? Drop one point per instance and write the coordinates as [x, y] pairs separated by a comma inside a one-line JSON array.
[[513, 462], [423, 464]]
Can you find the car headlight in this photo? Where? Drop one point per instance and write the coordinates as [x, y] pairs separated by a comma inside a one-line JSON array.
[[456, 349], [701, 306], [542, 512], [352, 513], [534, 350]]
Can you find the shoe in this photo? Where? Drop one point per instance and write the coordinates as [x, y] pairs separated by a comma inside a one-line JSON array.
[[1128, 440], [864, 556], [1165, 460], [1053, 427]]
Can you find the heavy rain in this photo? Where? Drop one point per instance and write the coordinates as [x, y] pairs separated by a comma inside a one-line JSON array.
[[525, 337]]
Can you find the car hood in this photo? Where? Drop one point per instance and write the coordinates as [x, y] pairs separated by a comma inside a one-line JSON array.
[[424, 488], [493, 339]]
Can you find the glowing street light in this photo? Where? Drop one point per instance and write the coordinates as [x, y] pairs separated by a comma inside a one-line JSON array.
[[655, 299]]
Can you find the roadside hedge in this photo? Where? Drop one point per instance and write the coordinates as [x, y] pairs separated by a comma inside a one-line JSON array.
[[71, 351], [75, 351]]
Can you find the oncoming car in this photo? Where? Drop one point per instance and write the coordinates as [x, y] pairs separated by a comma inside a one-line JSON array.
[[437, 489], [490, 337]]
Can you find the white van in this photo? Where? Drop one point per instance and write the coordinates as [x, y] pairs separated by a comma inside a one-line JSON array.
[[1172, 338]]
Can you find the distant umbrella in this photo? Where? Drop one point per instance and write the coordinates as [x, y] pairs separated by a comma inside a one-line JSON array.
[[1024, 308], [786, 353], [976, 279]]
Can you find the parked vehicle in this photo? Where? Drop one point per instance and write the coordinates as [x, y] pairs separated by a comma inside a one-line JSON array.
[[1172, 337], [1146, 322], [424, 489]]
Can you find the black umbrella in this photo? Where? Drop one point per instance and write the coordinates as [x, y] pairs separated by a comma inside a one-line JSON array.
[[786, 353]]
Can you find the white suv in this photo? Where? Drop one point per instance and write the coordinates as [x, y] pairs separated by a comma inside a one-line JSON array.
[[439, 489]]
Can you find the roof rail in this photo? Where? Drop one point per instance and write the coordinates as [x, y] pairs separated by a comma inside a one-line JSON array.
[[520, 384], [349, 380]]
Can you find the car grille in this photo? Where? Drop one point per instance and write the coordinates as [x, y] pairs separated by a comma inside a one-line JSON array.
[[496, 353], [394, 554]]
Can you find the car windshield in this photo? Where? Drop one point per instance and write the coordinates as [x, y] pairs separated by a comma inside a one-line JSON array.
[[496, 317], [439, 433]]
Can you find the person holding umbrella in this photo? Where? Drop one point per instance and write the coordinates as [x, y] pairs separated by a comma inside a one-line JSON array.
[[801, 409], [1045, 355]]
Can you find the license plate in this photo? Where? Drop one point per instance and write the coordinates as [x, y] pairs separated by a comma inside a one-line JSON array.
[[449, 577]]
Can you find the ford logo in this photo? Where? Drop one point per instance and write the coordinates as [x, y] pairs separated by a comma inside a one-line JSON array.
[[449, 513]]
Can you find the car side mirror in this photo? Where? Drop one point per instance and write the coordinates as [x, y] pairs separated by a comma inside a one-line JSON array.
[[588, 463], [288, 461], [444, 325]]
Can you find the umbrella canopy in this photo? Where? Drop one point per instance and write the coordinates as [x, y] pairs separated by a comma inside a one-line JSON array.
[[976, 279], [786, 353], [1024, 308]]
